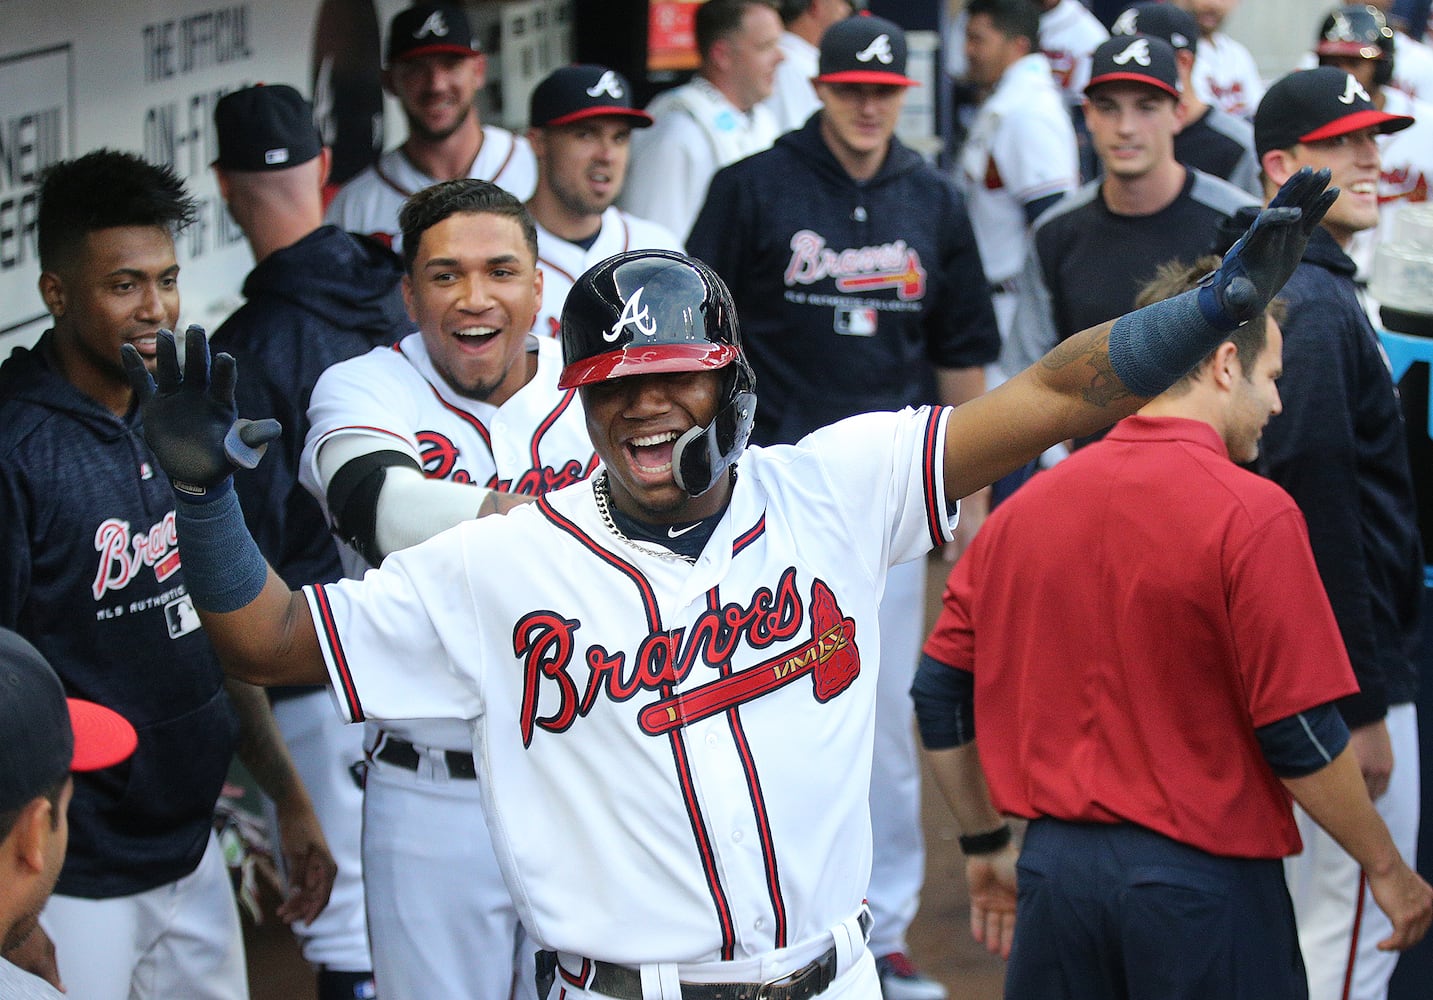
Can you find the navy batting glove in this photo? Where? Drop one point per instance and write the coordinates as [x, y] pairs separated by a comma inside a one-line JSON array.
[[191, 422], [1256, 267]]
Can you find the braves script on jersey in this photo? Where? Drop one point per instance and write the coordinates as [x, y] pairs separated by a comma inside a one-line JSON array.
[[708, 722]]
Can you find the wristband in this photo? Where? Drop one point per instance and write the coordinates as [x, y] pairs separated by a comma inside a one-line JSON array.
[[985, 843]]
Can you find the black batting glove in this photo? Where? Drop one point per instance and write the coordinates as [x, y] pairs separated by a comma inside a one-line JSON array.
[[191, 422], [1256, 267]]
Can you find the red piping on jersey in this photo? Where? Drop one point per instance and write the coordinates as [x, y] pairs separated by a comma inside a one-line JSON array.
[[679, 753], [934, 469], [465, 416], [699, 833], [546, 425], [644, 587], [758, 800], [335, 648], [378, 168], [579, 980], [357, 427], [752, 534]]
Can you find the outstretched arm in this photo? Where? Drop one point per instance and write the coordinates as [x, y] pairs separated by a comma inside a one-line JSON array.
[[1108, 372], [262, 630]]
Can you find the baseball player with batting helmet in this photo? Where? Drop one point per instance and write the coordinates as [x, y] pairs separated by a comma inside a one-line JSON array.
[[669, 669]]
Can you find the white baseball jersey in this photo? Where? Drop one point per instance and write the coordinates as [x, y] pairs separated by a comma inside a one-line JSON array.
[[675, 756], [1406, 168], [535, 442], [369, 203], [1069, 35], [697, 132], [562, 263], [1226, 76], [1412, 67], [1021, 148], [793, 98]]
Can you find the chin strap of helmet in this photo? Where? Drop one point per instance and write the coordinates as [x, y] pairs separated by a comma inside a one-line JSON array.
[[702, 454]]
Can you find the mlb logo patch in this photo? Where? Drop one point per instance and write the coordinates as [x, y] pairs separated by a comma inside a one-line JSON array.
[[181, 617], [855, 321]]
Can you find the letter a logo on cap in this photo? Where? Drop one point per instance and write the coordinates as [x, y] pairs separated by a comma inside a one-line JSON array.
[[1352, 89], [633, 314], [606, 85], [435, 25], [1126, 24], [879, 50], [1136, 51]]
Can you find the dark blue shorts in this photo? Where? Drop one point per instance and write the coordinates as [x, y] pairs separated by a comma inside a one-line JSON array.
[[1123, 913]]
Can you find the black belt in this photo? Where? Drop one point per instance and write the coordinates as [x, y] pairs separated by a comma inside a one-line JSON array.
[[625, 983], [401, 753]]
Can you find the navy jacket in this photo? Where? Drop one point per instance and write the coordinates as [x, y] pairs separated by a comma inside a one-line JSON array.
[[92, 577], [1339, 448], [327, 298], [848, 292]]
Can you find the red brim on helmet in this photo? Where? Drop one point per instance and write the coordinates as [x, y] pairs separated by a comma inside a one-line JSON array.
[[650, 360]]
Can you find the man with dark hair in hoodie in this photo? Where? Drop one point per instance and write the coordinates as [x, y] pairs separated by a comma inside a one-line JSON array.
[[859, 285], [316, 296], [91, 576]]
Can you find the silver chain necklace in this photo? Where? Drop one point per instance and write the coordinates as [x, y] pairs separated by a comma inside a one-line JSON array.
[[601, 493]]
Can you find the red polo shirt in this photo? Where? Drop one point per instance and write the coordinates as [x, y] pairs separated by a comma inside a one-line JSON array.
[[1131, 616]]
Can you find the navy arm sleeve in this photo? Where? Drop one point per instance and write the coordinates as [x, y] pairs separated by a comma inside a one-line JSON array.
[[1304, 742], [944, 699]]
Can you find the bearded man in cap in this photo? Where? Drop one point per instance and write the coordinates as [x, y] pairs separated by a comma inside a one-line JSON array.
[[435, 67]]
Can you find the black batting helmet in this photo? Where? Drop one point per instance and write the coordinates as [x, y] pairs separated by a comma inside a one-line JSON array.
[[1358, 30], [652, 312]]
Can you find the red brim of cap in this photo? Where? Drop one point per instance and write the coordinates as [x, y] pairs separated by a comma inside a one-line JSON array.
[[1368, 118], [432, 50], [1148, 81], [102, 737], [868, 76], [655, 360], [640, 119]]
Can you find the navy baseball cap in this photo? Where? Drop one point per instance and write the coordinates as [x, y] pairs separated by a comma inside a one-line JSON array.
[[265, 128], [1313, 104], [429, 29], [44, 735], [864, 49], [573, 93], [1135, 59], [1159, 20]]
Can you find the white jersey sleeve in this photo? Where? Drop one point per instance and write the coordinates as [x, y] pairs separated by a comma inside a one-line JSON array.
[[410, 611]]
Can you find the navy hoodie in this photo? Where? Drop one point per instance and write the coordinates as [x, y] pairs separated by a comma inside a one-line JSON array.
[[1339, 449], [327, 298], [92, 577], [848, 291]]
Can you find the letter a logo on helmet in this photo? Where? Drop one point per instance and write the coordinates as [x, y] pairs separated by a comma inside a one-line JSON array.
[[633, 314], [434, 26], [1136, 51], [1126, 24], [879, 50]]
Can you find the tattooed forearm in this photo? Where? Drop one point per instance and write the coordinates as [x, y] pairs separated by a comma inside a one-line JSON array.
[[1087, 356]]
